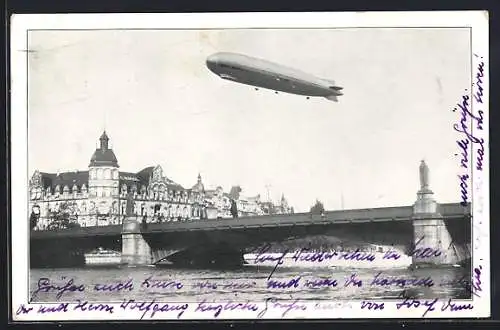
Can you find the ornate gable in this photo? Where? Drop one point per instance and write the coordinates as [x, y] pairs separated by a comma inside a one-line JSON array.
[[157, 174], [36, 179]]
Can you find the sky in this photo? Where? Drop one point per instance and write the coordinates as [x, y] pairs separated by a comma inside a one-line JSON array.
[[160, 105]]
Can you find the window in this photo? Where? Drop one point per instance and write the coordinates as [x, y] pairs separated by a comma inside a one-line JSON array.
[[231, 67]]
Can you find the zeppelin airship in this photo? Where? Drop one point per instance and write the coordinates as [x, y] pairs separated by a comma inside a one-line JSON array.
[[261, 73]]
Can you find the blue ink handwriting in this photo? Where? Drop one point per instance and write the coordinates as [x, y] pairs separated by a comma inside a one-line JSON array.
[[391, 254], [354, 281], [62, 307], [44, 285], [464, 191], [372, 305], [287, 306], [313, 256], [467, 121], [295, 283], [320, 283], [333, 305], [262, 257], [476, 281], [454, 307], [150, 283], [117, 286], [379, 280], [217, 308], [22, 309], [226, 286], [153, 307], [275, 284], [85, 306], [479, 81], [415, 303], [424, 252], [359, 256]]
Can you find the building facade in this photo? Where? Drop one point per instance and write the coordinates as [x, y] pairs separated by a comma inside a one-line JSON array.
[[98, 196]]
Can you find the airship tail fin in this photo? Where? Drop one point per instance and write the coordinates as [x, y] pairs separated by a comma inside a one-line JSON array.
[[333, 85], [332, 98]]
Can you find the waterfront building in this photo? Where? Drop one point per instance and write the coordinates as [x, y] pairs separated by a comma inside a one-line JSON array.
[[98, 196]]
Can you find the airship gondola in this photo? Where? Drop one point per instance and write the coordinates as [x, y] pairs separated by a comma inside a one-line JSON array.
[[261, 73]]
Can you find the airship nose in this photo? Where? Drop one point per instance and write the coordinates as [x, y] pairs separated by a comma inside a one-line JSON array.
[[212, 61]]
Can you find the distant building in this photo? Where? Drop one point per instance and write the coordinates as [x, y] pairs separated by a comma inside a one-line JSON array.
[[276, 208], [98, 195]]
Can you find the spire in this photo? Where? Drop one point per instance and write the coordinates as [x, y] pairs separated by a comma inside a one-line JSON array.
[[103, 155], [199, 185], [104, 141]]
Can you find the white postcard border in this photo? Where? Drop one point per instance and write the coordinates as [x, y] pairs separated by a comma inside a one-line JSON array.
[[20, 24]]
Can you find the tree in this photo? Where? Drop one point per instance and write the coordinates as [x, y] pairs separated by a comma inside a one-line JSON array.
[[317, 208], [235, 192], [234, 208], [33, 220], [62, 219]]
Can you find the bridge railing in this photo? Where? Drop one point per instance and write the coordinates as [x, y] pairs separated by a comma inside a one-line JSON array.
[[297, 219], [454, 209]]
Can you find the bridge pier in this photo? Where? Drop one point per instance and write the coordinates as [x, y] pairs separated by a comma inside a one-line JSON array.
[[135, 249], [433, 244]]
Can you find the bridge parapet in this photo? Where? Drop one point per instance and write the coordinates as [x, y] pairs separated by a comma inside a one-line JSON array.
[[449, 210]]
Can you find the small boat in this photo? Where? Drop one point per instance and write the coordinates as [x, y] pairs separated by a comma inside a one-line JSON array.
[[102, 257]]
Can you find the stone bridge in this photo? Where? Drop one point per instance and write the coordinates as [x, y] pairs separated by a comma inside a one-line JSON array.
[[212, 240]]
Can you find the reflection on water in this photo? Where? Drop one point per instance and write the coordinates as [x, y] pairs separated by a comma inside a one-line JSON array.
[[247, 283]]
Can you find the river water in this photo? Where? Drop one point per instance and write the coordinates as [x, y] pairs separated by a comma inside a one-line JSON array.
[[174, 284]]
